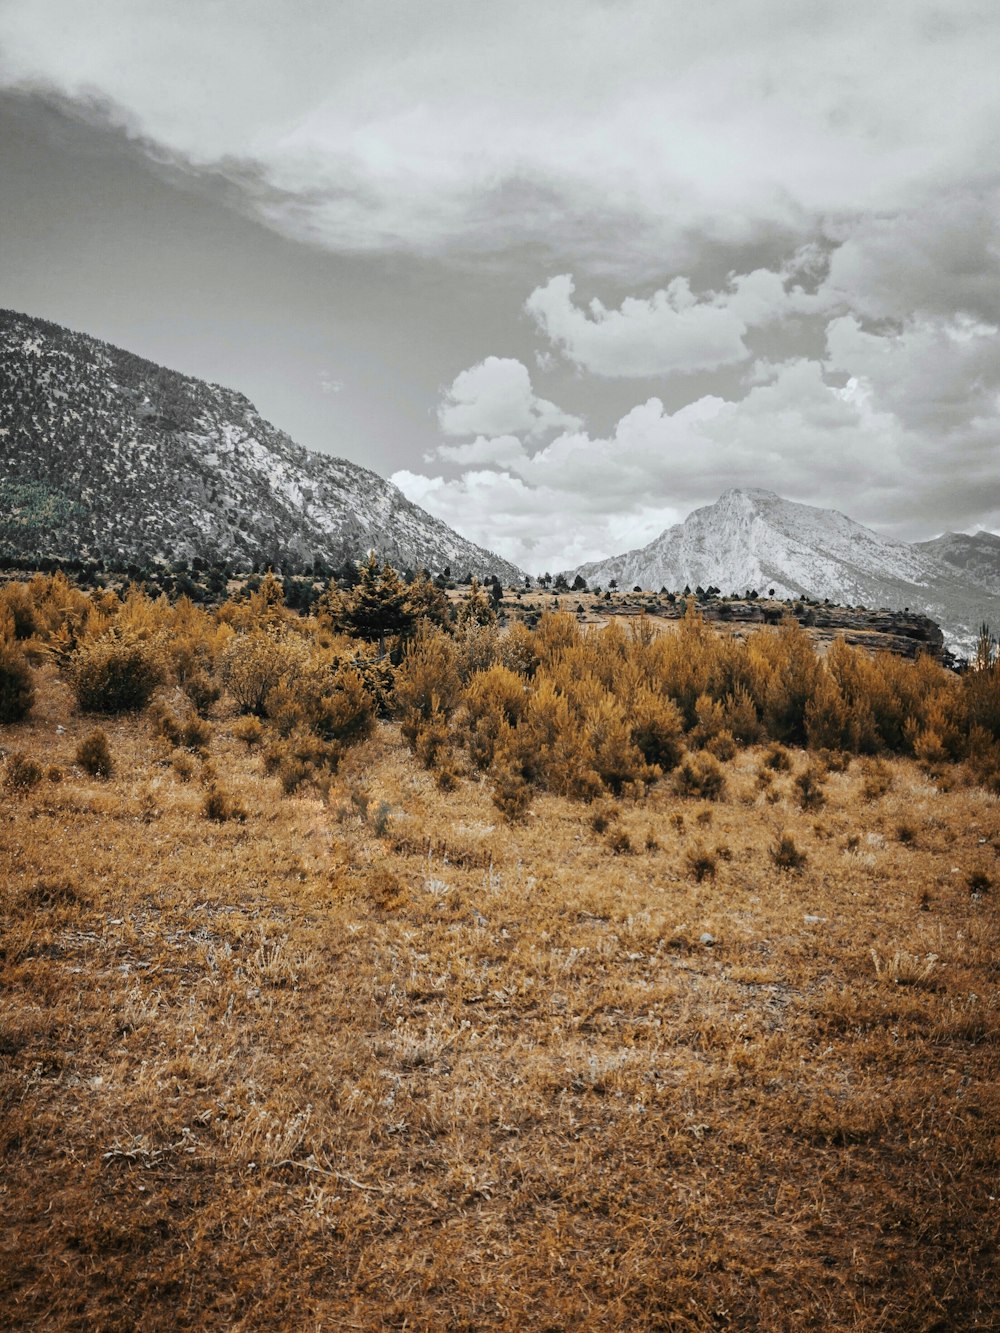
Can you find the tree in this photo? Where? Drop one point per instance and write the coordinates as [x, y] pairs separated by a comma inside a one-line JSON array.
[[476, 607], [579, 584], [427, 601], [378, 606]]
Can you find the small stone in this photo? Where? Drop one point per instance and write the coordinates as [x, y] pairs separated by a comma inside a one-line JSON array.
[[706, 939], [814, 920]]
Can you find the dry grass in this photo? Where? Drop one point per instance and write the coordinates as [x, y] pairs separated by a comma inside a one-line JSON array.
[[383, 1060]]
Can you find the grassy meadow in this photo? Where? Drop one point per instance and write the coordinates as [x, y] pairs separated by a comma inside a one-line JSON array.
[[523, 980]]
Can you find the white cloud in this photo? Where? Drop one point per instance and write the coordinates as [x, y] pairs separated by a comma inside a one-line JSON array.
[[503, 451], [673, 331], [532, 525], [797, 429], [378, 124], [494, 398]]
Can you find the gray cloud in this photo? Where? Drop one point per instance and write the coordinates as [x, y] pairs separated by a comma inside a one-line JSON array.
[[784, 208], [386, 125]]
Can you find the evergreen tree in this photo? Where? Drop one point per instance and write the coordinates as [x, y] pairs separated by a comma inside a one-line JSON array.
[[426, 600], [476, 607], [376, 607]]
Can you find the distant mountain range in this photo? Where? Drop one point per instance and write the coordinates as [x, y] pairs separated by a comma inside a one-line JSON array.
[[753, 539], [106, 456]]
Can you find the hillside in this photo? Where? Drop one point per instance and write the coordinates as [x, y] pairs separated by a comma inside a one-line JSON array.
[[972, 556], [753, 539], [109, 457]]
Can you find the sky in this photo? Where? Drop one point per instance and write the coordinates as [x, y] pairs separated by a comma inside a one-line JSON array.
[[563, 271]]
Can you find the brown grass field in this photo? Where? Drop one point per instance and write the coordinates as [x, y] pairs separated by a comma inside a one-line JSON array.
[[382, 1060]]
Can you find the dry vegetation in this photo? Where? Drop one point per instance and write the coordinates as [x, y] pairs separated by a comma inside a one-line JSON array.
[[465, 994]]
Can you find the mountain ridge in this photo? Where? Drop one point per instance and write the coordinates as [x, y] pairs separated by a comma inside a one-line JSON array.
[[106, 455], [753, 538]]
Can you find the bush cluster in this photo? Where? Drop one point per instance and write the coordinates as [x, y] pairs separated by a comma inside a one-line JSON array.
[[554, 708]]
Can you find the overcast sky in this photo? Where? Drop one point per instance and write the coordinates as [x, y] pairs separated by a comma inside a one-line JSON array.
[[564, 271]]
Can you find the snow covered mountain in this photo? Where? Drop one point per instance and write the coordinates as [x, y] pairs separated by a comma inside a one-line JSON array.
[[754, 539], [104, 455]]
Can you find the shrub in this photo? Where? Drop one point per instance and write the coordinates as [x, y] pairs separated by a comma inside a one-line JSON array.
[[700, 775], [511, 793], [427, 682], [17, 694], [93, 755], [219, 806], [810, 788], [877, 780], [249, 730], [189, 733], [620, 843], [16, 602], [785, 854], [701, 863], [115, 674], [657, 729], [21, 773], [303, 758], [202, 690], [431, 741], [614, 757], [983, 766], [495, 700], [253, 665], [711, 720], [776, 758], [740, 714], [328, 699], [602, 818], [722, 746]]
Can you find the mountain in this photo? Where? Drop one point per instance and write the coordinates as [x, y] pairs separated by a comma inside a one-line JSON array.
[[106, 456], [974, 557], [755, 539]]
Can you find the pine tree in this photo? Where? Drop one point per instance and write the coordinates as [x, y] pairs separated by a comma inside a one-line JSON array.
[[376, 607]]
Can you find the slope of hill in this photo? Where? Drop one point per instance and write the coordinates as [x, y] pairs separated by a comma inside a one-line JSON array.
[[974, 557], [755, 539], [104, 455]]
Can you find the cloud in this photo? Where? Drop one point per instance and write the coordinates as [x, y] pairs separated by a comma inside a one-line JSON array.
[[376, 124], [673, 331], [503, 451], [935, 375], [909, 419], [494, 398], [938, 259], [531, 525]]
